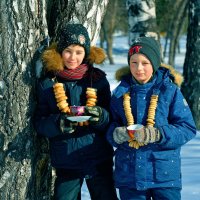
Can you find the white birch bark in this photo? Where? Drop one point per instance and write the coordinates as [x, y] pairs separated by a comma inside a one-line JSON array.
[[25, 172], [141, 19]]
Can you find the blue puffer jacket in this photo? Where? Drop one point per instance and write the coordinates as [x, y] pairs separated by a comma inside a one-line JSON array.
[[83, 150], [158, 164]]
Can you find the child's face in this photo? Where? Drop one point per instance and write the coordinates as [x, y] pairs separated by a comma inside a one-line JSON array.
[[141, 68], [73, 56]]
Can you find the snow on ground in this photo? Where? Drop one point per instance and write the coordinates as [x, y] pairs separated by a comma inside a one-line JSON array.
[[190, 152]]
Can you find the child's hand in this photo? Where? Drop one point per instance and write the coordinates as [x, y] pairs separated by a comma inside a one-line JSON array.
[[147, 135], [66, 126], [120, 135], [95, 112]]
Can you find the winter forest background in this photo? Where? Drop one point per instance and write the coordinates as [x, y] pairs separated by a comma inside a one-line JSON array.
[[25, 171]]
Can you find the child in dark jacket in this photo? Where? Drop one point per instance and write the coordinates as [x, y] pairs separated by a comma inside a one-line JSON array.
[[78, 146], [151, 121]]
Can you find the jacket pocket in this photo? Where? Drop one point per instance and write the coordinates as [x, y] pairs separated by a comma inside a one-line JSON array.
[[166, 165]]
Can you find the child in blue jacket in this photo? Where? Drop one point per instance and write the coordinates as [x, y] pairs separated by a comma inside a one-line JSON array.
[[147, 162]]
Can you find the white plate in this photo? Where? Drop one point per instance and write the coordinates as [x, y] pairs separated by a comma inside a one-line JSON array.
[[78, 118]]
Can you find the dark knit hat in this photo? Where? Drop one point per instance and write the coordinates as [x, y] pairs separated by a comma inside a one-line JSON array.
[[149, 47], [73, 34]]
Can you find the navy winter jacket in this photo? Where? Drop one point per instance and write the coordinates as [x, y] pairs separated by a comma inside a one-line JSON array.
[[158, 164], [87, 147]]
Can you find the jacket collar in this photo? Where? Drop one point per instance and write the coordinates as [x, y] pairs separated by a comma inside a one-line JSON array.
[[164, 74], [174, 75]]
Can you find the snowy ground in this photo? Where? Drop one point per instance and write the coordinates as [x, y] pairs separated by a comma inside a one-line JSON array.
[[190, 152]]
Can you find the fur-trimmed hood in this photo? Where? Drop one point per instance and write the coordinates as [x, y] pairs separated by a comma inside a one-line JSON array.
[[53, 62], [178, 78]]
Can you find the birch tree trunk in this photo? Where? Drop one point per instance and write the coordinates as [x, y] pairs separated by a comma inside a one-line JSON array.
[[141, 19], [89, 13], [191, 70], [25, 171]]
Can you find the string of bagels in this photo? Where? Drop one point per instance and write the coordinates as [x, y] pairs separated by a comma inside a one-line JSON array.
[[130, 118], [61, 99]]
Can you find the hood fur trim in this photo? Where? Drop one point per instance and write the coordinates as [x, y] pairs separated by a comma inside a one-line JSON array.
[[52, 59], [53, 62], [123, 71], [97, 55], [178, 78]]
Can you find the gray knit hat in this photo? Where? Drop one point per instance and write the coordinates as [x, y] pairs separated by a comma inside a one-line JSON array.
[[73, 34], [149, 47]]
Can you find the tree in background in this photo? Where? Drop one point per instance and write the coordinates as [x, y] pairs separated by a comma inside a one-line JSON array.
[[25, 172], [142, 19], [115, 20], [176, 26], [191, 70], [171, 24]]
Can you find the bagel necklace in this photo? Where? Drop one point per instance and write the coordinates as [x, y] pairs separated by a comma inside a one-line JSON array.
[[61, 99], [130, 118]]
